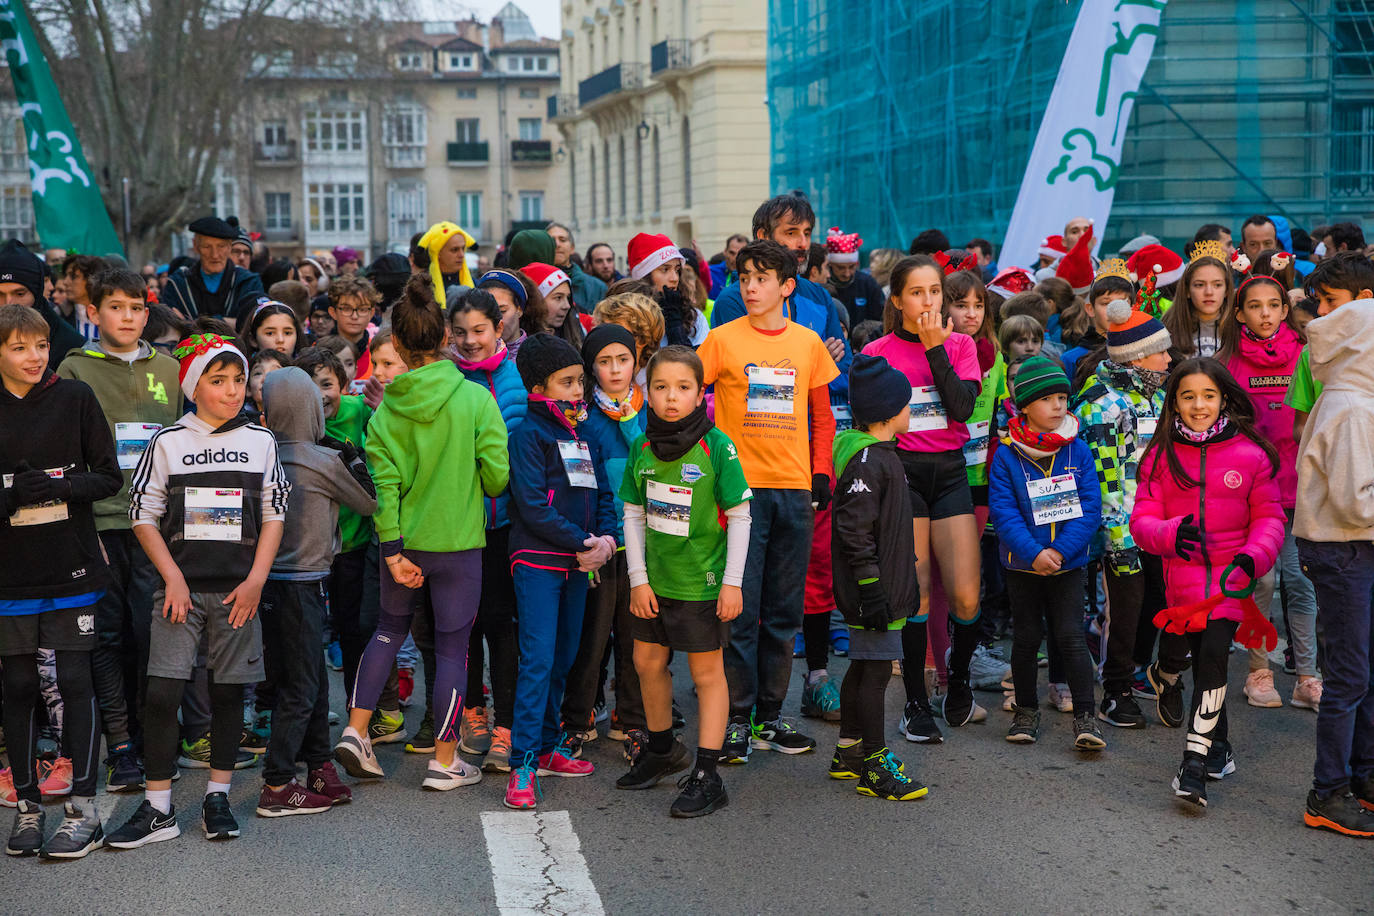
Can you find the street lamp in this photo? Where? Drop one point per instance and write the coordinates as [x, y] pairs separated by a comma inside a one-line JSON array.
[[643, 130]]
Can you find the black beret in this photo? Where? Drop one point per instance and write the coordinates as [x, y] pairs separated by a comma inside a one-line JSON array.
[[214, 227]]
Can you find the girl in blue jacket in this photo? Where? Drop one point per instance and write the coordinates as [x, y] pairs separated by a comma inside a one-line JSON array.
[[1045, 505]]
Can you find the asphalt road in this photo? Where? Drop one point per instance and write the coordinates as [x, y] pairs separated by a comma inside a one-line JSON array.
[[1005, 829]]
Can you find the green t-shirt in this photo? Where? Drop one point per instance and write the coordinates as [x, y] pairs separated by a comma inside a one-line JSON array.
[[1303, 389], [350, 425], [685, 502]]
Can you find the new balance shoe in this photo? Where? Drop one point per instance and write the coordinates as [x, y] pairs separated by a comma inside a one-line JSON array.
[[1025, 725], [422, 742], [1060, 697], [474, 735], [388, 726], [1168, 697], [702, 793], [986, 669], [498, 758], [1121, 711], [26, 836], [847, 762], [1340, 812], [8, 797], [737, 746], [651, 768], [216, 817], [196, 755], [147, 825], [123, 773], [918, 724], [324, 780], [441, 778], [1221, 761], [781, 736], [882, 777], [522, 790], [1191, 782], [562, 762], [354, 753], [1259, 690], [821, 700], [1087, 735], [1141, 687], [292, 798], [55, 779], [1307, 693]]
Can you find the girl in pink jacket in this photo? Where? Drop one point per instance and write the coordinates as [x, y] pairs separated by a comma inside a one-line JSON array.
[[1208, 503]]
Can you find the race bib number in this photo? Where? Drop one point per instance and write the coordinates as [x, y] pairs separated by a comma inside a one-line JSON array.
[[1054, 499], [41, 513], [927, 411], [131, 441], [976, 448], [770, 390], [577, 462], [844, 417], [1145, 428], [211, 514], [669, 508]]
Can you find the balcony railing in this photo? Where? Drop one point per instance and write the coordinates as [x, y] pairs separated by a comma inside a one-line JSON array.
[[673, 54], [610, 81], [467, 153], [282, 234], [561, 106], [531, 152], [411, 156], [276, 154]]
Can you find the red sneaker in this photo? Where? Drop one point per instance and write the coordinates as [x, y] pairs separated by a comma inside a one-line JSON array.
[[324, 780], [560, 764], [292, 798], [55, 779]]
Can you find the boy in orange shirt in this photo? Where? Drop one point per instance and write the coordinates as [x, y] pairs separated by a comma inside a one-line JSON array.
[[772, 401]]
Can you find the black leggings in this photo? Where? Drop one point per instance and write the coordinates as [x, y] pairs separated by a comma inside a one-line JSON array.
[[914, 640], [816, 635], [1207, 715], [495, 624], [862, 701], [161, 732], [1035, 598], [80, 721]]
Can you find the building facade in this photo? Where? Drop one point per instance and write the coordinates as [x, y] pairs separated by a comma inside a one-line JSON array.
[[661, 120]]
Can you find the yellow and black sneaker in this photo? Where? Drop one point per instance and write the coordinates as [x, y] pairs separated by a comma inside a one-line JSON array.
[[882, 777], [848, 762]]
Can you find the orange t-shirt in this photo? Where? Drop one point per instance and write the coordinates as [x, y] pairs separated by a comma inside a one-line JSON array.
[[763, 381]]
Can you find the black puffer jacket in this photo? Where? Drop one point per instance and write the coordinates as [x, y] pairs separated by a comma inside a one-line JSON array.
[[870, 526]]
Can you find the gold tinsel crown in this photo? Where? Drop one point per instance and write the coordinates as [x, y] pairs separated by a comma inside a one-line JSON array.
[[1209, 248]]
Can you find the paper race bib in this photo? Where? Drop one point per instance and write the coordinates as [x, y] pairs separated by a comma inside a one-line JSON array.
[[770, 390], [1145, 428], [927, 410], [976, 448], [844, 417], [131, 441], [669, 508], [577, 462], [1054, 499], [41, 513], [211, 514]]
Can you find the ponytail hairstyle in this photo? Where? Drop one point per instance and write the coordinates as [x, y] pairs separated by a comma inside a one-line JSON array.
[[901, 274], [417, 323], [1231, 331], [1236, 406], [958, 285]]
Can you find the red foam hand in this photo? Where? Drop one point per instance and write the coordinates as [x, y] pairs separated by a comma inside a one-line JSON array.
[[1255, 630], [1187, 618]]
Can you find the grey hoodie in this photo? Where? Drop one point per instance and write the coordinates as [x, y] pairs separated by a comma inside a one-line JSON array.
[[320, 477], [1336, 456]]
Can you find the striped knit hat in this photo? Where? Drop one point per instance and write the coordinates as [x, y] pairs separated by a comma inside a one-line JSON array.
[[1132, 334], [1038, 377]]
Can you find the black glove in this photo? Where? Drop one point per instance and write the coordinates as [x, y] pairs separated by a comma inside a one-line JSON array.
[[1188, 538], [30, 487], [331, 442], [670, 301], [874, 612], [820, 491], [1245, 562]]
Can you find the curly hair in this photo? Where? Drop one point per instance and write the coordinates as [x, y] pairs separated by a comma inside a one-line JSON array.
[[638, 314], [355, 286]]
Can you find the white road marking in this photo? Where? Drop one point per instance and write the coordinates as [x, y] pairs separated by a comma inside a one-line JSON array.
[[537, 866]]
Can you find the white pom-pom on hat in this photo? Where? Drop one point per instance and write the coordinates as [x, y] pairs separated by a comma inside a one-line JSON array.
[[1118, 310]]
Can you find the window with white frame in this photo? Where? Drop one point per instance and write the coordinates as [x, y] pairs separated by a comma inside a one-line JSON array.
[[527, 63], [403, 134], [335, 131], [470, 211], [531, 129], [531, 205], [277, 210], [336, 207], [460, 61], [16, 209], [466, 130], [13, 158], [410, 60], [405, 209]]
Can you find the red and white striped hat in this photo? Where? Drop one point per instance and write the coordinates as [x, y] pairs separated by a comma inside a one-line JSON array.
[[545, 277], [649, 252], [841, 248]]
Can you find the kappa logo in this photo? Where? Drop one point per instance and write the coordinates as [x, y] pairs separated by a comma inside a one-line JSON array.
[[858, 486], [85, 624]]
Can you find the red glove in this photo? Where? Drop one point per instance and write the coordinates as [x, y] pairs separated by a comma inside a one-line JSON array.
[[1186, 618], [1255, 630]]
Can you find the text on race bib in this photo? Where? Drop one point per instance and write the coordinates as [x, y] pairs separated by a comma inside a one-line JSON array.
[[1054, 499], [577, 462], [927, 410], [212, 514], [40, 513], [976, 448], [770, 390], [1145, 428], [669, 508], [131, 441]]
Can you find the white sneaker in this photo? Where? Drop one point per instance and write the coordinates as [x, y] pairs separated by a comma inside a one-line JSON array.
[[985, 669], [459, 773], [354, 754], [1060, 698]]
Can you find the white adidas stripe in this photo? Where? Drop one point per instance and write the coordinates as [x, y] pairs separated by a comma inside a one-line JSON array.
[[537, 865]]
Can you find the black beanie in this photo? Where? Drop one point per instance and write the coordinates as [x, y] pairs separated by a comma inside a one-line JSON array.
[[541, 355], [877, 392], [598, 339], [19, 265]]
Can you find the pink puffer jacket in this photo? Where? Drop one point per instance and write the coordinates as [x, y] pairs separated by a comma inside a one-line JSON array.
[[1264, 368], [1237, 508]]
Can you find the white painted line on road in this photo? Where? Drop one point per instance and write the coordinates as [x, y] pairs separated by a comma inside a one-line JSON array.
[[537, 866]]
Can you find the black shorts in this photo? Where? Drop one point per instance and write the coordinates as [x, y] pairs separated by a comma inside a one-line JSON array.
[[938, 482], [68, 630], [687, 626]]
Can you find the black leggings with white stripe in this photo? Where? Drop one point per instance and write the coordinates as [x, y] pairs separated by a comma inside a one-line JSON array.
[[80, 721], [1211, 650]]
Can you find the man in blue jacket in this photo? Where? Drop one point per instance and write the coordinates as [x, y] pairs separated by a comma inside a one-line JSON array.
[[212, 285]]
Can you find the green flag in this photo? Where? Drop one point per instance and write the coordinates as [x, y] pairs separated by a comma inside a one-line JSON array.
[[67, 207]]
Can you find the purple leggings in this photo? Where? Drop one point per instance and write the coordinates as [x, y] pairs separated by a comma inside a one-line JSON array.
[[453, 584]]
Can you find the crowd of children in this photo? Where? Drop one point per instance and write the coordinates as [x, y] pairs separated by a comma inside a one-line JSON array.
[[518, 493]]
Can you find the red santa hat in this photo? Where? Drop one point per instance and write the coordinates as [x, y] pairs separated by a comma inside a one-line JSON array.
[[1168, 267], [196, 352], [649, 252], [1052, 246], [1011, 281], [841, 248], [1077, 266], [545, 277]]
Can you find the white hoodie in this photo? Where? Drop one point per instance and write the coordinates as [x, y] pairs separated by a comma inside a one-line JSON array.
[[1336, 456]]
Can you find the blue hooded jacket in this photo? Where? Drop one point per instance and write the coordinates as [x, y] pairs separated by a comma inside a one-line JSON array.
[[511, 397], [1009, 508]]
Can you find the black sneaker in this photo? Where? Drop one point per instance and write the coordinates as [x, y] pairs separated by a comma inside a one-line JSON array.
[[1340, 812], [123, 772], [253, 742], [26, 837], [847, 762], [882, 777], [423, 741], [1025, 725], [1191, 782], [217, 818], [701, 794], [1220, 761], [79, 833], [918, 724], [1121, 711], [1290, 665], [781, 736], [958, 702], [1168, 697], [1086, 735], [737, 747], [679, 720], [148, 825], [1363, 790], [650, 768]]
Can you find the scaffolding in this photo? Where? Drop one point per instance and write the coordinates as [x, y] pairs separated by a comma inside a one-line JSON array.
[[900, 115]]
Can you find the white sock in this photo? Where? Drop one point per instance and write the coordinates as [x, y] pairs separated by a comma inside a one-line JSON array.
[[814, 676], [161, 799], [213, 786]]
